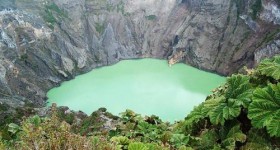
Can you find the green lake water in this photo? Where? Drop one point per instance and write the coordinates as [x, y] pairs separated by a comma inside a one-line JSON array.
[[146, 86]]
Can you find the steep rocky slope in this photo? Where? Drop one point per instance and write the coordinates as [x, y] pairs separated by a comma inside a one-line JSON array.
[[44, 42]]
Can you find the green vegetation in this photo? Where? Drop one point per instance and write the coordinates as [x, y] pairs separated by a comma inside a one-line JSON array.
[[53, 7], [151, 17], [8, 117], [110, 7], [49, 18], [23, 57], [270, 68], [120, 7], [256, 9], [99, 27], [52, 13], [244, 113]]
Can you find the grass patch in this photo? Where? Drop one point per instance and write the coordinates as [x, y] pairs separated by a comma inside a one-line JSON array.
[[151, 17], [99, 27], [110, 7]]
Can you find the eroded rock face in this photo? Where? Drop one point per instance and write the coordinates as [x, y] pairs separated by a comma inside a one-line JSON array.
[[44, 42], [271, 12], [269, 51]]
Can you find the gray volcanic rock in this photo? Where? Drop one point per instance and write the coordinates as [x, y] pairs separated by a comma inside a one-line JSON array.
[[45, 42], [271, 12], [268, 51]]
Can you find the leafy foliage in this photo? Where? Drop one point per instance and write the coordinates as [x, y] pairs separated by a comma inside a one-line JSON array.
[[179, 140], [231, 136], [14, 128], [137, 146], [226, 103], [265, 109], [208, 139], [257, 140], [121, 141], [270, 67], [196, 115]]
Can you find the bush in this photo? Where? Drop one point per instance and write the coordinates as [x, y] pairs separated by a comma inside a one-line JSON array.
[[256, 9]]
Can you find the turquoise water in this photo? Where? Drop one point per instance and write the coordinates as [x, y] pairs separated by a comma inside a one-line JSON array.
[[146, 86]]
